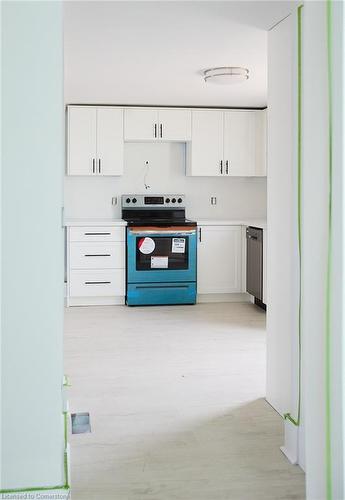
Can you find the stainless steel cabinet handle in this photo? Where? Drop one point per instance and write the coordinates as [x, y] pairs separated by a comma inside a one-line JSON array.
[[97, 282], [200, 234], [221, 167], [99, 165], [227, 167], [161, 130], [155, 132], [97, 255], [97, 234], [93, 165]]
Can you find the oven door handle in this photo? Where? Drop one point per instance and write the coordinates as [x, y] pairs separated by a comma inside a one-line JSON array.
[[161, 286]]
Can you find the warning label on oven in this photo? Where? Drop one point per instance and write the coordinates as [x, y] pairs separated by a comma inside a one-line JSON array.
[[159, 262], [146, 245], [178, 245]]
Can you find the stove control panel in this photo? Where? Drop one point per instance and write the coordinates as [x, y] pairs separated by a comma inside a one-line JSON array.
[[153, 201]]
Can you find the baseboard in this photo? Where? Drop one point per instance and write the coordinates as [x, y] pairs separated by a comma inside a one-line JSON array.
[[223, 297], [95, 301]]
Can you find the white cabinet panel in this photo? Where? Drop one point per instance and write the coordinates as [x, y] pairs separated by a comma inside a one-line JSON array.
[[219, 259], [205, 152], [110, 142], [261, 143], [82, 123], [239, 142], [175, 124], [141, 124], [97, 283], [97, 255], [95, 265], [97, 233]]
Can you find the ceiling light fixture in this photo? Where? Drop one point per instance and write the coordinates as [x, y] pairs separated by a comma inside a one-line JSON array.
[[226, 75]]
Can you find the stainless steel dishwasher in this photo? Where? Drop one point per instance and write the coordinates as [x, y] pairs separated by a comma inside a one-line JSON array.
[[255, 264]]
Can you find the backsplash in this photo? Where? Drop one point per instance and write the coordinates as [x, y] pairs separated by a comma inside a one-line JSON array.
[[237, 197]]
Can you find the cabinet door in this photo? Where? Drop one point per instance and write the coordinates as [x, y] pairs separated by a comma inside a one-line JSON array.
[[110, 141], [205, 152], [141, 125], [175, 124], [239, 143], [261, 143], [219, 259], [81, 157]]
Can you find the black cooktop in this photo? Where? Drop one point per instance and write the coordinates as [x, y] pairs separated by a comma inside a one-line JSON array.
[[156, 217]]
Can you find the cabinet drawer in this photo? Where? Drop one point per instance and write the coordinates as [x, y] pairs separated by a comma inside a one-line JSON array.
[[92, 283], [93, 233], [91, 255]]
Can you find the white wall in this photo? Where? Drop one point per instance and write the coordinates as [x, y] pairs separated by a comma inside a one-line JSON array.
[[236, 197], [315, 234], [281, 263], [32, 245]]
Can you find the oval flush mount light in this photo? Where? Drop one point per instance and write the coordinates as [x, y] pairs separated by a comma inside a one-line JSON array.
[[226, 75]]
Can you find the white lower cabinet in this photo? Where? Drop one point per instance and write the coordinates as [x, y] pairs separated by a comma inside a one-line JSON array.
[[95, 265], [220, 256]]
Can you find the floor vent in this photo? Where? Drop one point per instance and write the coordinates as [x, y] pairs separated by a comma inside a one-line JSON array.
[[80, 423]]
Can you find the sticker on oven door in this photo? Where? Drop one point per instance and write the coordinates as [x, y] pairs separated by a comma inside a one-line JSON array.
[[146, 245], [178, 245], [158, 262]]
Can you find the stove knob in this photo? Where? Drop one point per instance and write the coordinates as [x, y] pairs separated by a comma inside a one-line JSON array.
[[167, 200], [179, 200], [128, 200], [173, 200], [134, 200]]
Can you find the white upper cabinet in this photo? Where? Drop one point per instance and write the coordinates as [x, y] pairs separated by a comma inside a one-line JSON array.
[[227, 143], [146, 124], [219, 259], [205, 151], [95, 141], [110, 143], [175, 125], [239, 143], [81, 148], [141, 124]]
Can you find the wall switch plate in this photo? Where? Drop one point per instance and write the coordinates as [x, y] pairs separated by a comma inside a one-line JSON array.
[[213, 200], [114, 200]]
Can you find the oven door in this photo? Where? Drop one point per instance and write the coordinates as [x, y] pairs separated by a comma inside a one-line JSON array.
[[161, 255]]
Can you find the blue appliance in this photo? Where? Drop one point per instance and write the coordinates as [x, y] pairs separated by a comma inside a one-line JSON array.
[[161, 250]]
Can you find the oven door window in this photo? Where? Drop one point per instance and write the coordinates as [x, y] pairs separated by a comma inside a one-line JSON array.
[[159, 253]]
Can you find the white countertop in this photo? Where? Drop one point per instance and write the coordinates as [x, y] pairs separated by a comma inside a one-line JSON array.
[[94, 222], [261, 223]]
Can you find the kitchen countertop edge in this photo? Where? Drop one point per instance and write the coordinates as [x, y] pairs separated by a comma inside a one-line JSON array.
[[72, 222], [260, 223]]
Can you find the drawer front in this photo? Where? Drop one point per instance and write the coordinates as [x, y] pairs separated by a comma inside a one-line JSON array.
[[97, 255], [97, 283], [97, 233]]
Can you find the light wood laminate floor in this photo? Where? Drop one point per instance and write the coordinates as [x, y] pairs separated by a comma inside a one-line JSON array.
[[176, 402]]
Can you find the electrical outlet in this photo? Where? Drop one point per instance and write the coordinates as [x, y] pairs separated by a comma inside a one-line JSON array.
[[213, 200]]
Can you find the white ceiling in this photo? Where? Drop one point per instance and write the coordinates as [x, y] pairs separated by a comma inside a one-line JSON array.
[[153, 52]]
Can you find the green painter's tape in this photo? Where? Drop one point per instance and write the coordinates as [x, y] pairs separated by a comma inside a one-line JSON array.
[[296, 421], [65, 486], [328, 326]]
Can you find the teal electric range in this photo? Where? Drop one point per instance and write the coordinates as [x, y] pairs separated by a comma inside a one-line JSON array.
[[161, 250]]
